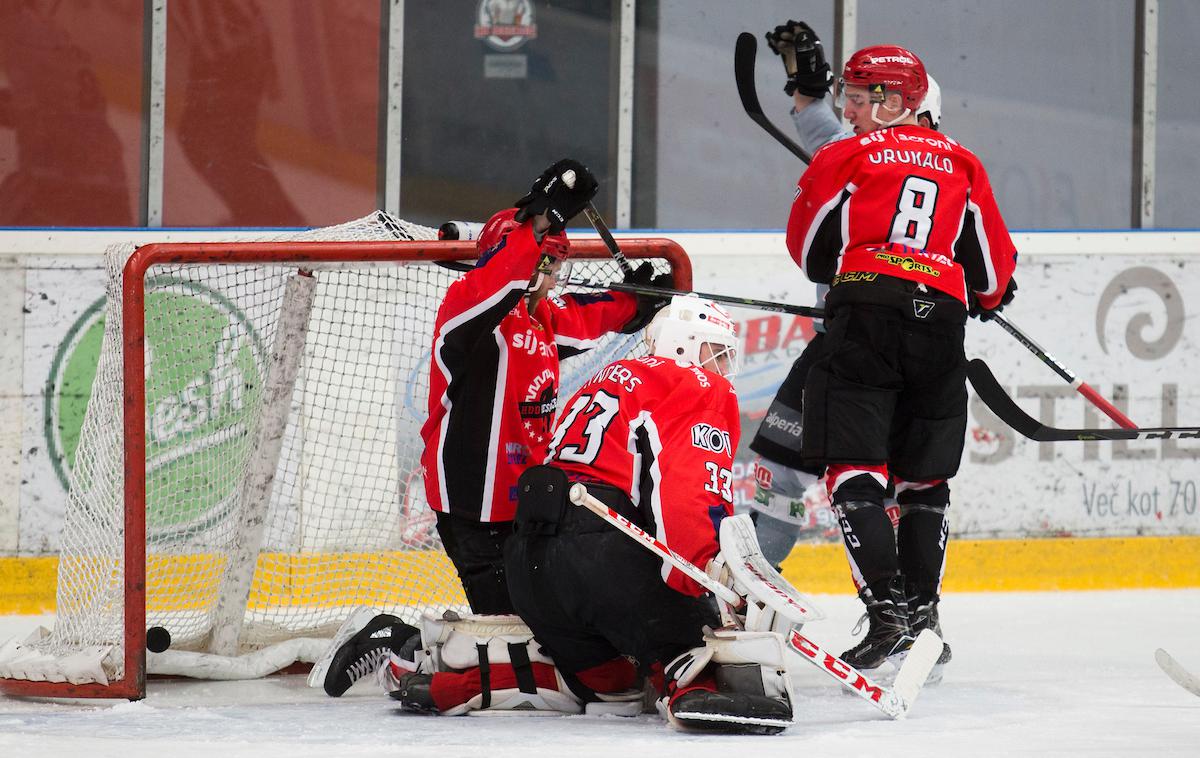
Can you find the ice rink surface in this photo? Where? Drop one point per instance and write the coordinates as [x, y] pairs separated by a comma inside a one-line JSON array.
[[1054, 674]]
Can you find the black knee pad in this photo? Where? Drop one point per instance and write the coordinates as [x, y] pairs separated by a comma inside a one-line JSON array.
[[860, 488], [934, 499]]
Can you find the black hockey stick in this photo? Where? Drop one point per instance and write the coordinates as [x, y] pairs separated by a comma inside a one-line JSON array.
[[611, 243], [996, 399], [740, 302], [744, 54], [645, 289], [601, 228], [1080, 386]]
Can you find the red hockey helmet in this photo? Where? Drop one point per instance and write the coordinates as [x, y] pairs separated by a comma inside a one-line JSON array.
[[888, 68], [496, 229], [498, 226]]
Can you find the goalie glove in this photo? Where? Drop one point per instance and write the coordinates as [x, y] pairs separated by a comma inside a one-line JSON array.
[[803, 59]]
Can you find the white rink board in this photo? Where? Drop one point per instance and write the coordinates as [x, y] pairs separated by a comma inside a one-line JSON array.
[[1114, 307]]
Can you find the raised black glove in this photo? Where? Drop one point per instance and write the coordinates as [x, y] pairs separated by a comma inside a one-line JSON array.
[[647, 305], [559, 196], [803, 59], [985, 314]]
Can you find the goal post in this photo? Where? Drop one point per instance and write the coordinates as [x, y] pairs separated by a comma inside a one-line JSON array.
[[248, 470]]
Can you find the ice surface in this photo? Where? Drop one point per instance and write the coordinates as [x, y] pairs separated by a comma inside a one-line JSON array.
[[1054, 674]]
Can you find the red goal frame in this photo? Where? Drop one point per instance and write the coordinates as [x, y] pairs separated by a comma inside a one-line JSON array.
[[132, 685]]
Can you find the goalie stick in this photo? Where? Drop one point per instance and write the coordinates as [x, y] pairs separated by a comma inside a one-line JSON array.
[[744, 53], [1178, 674], [1000, 403], [895, 701]]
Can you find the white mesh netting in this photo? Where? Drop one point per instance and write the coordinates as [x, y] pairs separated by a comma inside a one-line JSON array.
[[345, 524]]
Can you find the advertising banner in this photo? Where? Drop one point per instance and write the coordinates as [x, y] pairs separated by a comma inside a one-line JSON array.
[[1119, 321]]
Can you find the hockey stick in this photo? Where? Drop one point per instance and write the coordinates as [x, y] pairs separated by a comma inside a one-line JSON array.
[[1080, 386], [648, 289], [580, 496], [744, 53], [601, 228], [741, 302], [895, 701], [994, 396], [1178, 674]]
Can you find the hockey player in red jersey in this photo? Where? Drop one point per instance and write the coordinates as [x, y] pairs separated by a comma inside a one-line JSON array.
[[782, 478], [493, 389], [493, 394], [902, 223], [653, 438]]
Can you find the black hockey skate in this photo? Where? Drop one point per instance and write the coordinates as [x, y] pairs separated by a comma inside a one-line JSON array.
[[923, 614], [415, 693], [888, 635], [365, 652], [731, 712]]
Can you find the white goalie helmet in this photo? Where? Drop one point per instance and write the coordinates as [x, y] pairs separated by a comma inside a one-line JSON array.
[[697, 332]]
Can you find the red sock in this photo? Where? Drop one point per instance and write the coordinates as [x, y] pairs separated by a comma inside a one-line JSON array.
[[615, 675]]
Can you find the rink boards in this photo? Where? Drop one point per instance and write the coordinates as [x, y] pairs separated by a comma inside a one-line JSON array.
[[1098, 563], [1113, 307]]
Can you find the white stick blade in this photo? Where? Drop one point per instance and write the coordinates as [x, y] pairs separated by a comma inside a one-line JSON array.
[[1178, 674], [921, 658]]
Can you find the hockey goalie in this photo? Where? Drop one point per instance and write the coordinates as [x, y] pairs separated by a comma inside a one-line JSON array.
[[601, 621]]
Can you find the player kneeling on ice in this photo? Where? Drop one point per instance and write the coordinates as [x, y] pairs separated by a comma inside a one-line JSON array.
[[652, 438]]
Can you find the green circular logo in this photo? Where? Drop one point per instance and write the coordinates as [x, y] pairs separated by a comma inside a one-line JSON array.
[[204, 371]]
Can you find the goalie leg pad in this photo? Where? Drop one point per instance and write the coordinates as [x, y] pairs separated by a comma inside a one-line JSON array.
[[737, 682], [487, 663]]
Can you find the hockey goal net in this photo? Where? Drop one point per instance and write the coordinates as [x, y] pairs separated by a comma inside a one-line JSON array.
[[248, 469]]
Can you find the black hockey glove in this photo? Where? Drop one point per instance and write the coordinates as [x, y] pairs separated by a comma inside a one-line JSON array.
[[647, 305], [560, 198], [803, 59], [985, 314]]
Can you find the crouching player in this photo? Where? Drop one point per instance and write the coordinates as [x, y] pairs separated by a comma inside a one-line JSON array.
[[652, 438]]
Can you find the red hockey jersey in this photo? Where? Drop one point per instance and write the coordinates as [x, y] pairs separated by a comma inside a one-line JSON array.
[[494, 375], [665, 434], [907, 202]]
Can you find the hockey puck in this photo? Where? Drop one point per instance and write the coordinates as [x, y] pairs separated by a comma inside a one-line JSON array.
[[157, 639]]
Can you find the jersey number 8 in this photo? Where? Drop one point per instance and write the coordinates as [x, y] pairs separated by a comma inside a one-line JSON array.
[[914, 212]]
